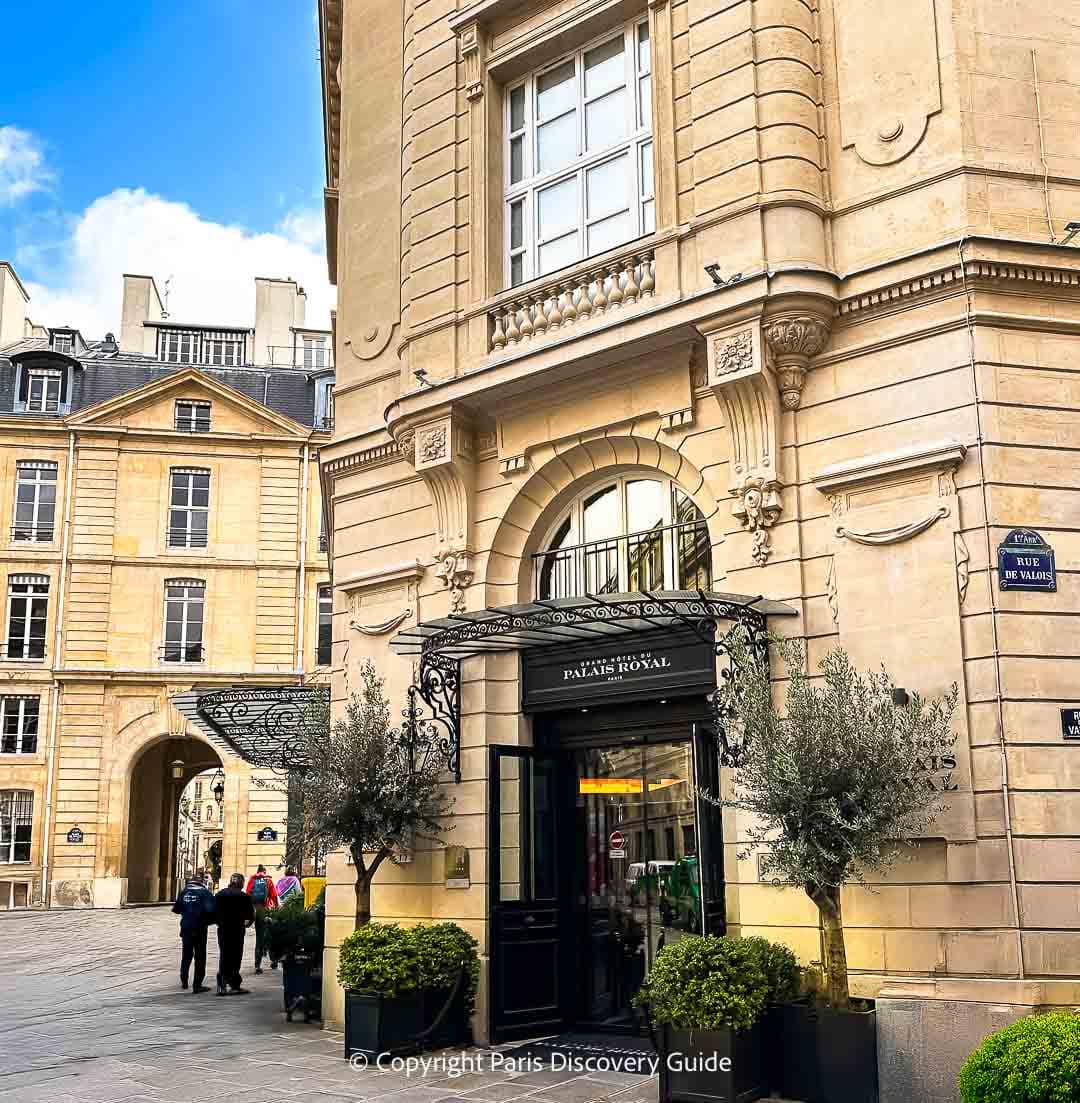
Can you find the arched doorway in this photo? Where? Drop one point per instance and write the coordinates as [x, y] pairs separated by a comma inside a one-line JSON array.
[[158, 779]]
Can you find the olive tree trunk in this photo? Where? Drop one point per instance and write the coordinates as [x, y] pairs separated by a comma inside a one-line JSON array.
[[827, 899]]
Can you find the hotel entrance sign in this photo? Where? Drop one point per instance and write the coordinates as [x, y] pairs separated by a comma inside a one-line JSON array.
[[1026, 562]]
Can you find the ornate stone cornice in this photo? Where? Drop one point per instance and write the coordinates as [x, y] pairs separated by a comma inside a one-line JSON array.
[[794, 340]]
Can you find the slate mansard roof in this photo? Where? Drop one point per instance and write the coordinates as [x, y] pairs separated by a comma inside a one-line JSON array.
[[104, 373]]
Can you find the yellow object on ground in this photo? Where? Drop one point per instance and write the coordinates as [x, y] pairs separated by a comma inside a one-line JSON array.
[[312, 887]]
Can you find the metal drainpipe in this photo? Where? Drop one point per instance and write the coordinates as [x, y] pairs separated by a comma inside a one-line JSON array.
[[54, 713], [301, 604]]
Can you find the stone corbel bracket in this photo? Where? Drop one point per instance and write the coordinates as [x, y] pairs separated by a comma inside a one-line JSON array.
[[745, 386], [470, 39], [441, 449], [794, 339]]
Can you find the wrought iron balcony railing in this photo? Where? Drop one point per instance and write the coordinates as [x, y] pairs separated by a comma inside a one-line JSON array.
[[667, 557], [319, 358], [181, 653], [31, 534], [187, 538]]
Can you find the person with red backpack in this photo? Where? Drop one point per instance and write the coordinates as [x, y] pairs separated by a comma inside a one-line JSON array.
[[260, 888]]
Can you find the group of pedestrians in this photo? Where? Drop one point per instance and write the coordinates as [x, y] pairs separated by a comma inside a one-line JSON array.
[[232, 910]]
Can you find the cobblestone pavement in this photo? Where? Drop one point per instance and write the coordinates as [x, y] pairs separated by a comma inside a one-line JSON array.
[[93, 1012]]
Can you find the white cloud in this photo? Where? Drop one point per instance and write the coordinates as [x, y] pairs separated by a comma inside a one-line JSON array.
[[211, 267], [22, 165]]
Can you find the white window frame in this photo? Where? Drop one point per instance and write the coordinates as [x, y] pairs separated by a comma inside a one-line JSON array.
[[197, 415], [224, 352], [314, 348], [32, 587], [23, 709], [11, 801], [36, 474], [173, 343], [193, 598], [182, 537], [64, 343], [7, 894], [637, 85], [50, 379]]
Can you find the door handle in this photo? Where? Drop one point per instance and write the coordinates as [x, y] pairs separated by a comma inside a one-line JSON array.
[[529, 920]]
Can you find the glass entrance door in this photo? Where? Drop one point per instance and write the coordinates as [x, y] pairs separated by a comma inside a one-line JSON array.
[[636, 876]]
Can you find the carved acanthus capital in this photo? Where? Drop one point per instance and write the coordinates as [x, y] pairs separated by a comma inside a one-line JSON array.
[[406, 443], [794, 340]]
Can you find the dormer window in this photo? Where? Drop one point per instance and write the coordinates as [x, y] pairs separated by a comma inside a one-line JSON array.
[[43, 390], [192, 416], [179, 346], [324, 404], [224, 350], [64, 342]]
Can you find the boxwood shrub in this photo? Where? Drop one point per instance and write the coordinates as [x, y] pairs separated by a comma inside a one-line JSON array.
[[706, 982], [1035, 1060], [781, 969], [389, 960]]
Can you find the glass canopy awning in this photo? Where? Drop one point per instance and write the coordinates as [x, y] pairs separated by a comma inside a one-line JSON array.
[[596, 617]]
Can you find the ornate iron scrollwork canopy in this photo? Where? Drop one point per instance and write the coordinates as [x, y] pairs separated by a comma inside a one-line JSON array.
[[442, 644], [265, 725]]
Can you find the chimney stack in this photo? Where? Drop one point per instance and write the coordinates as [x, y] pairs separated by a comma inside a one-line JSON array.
[[142, 303], [279, 307], [14, 324]]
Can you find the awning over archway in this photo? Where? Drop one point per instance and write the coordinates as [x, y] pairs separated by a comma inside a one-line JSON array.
[[597, 617], [264, 725]]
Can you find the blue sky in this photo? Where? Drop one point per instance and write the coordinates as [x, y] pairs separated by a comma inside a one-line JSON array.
[[180, 139]]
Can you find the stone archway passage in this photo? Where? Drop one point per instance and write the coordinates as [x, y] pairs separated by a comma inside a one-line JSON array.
[[153, 799]]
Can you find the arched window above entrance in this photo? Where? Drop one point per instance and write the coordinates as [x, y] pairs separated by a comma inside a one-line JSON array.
[[630, 534]]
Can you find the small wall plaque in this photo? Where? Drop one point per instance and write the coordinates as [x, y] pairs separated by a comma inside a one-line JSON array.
[[1070, 723], [75, 835], [456, 867], [267, 835], [1026, 562]]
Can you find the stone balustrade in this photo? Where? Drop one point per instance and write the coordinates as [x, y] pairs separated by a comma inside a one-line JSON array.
[[572, 300]]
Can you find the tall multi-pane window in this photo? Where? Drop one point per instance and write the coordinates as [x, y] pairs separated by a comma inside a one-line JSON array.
[[27, 614], [326, 626], [35, 501], [314, 350], [632, 534], [185, 601], [578, 155], [192, 416], [43, 390], [16, 825], [19, 724], [189, 507], [179, 346]]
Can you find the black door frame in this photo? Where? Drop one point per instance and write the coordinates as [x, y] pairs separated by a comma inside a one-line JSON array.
[[556, 734]]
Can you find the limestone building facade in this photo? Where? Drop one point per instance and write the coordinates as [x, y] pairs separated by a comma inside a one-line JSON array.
[[162, 525], [770, 298]]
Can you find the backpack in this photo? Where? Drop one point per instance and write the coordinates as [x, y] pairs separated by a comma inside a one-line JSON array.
[[259, 891], [292, 890]]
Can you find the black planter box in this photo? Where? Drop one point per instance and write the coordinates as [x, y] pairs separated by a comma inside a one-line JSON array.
[[405, 1024], [828, 1056], [375, 1024], [301, 984], [689, 1060]]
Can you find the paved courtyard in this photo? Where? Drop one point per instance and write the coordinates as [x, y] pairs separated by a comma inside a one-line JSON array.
[[93, 1012]]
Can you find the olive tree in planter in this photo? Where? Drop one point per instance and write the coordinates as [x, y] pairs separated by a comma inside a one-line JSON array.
[[706, 998], [836, 783], [368, 786]]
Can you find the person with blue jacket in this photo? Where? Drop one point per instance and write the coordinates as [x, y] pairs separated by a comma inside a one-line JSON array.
[[195, 906]]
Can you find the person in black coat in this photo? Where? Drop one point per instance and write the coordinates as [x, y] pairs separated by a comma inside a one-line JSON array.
[[195, 906], [234, 912]]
